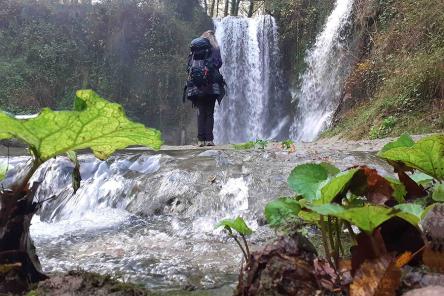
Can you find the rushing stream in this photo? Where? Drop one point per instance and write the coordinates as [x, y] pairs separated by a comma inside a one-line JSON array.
[[149, 216]]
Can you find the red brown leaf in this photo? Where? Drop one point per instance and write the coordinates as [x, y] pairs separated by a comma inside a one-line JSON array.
[[377, 277], [368, 248], [373, 186], [414, 190]]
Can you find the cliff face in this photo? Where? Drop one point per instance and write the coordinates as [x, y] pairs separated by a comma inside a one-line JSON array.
[[397, 84], [299, 23], [397, 47]]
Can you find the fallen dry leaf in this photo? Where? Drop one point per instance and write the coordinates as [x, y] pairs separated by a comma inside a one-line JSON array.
[[378, 277]]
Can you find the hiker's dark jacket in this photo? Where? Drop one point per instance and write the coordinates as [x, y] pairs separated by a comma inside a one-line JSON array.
[[216, 89]]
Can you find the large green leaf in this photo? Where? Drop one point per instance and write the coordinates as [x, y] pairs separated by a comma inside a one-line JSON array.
[[310, 217], [280, 210], [336, 186], [399, 191], [410, 212], [366, 218], [438, 192], [403, 141], [427, 156], [3, 170], [421, 178], [96, 124], [237, 224], [306, 179]]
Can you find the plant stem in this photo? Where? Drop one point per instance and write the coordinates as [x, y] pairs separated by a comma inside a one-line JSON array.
[[246, 247], [325, 241], [332, 241], [375, 248], [338, 225], [240, 246], [352, 233]]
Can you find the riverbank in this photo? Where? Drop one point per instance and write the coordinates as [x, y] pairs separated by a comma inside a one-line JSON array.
[[335, 143], [81, 283]]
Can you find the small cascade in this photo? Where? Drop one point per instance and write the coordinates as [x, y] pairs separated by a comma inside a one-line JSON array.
[[256, 103], [150, 216], [327, 65]]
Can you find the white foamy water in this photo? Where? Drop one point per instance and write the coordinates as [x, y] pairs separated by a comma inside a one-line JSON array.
[[327, 65], [256, 100], [232, 202]]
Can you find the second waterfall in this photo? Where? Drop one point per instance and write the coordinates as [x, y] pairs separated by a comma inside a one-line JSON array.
[[257, 102]]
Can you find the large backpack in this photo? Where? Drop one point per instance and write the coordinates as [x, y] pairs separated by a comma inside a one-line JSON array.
[[200, 66]]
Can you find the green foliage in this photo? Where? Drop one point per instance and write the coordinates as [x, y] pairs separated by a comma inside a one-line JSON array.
[[299, 23], [3, 171], [403, 141], [76, 177], [427, 156], [366, 218], [401, 75], [384, 129], [306, 179], [399, 190], [95, 124], [438, 193], [360, 196], [245, 146], [337, 186], [421, 178], [237, 224], [261, 144], [410, 212], [287, 144], [281, 210], [131, 52]]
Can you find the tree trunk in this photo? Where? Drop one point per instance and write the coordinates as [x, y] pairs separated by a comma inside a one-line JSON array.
[[19, 264], [213, 2], [227, 4], [217, 8], [235, 7], [251, 8], [206, 6]]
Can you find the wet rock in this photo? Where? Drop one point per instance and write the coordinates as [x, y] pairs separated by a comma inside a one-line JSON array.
[[209, 153], [433, 226], [76, 283], [428, 291], [284, 267], [12, 279]]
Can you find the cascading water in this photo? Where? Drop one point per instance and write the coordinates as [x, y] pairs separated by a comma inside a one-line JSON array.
[[256, 103], [327, 65], [149, 216]]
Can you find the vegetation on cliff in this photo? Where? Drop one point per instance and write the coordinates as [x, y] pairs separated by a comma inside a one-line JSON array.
[[299, 23], [397, 84]]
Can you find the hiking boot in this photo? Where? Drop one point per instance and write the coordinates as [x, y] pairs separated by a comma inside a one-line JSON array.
[[201, 143], [210, 143]]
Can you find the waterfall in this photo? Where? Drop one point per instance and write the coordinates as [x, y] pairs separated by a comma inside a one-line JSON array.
[[327, 65], [255, 105]]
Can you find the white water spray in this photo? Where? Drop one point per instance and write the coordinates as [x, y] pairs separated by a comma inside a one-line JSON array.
[[256, 101], [327, 64]]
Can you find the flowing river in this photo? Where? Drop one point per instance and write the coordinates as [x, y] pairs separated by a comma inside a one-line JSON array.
[[149, 217]]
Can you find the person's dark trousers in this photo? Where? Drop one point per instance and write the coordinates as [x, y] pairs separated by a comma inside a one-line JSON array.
[[205, 120]]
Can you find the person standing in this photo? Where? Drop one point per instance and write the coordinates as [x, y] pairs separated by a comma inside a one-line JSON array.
[[205, 84]]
